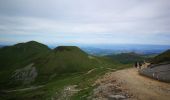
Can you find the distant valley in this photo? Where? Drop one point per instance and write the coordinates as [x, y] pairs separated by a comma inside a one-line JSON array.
[[102, 50]]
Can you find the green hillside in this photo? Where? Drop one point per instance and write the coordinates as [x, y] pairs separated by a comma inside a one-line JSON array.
[[163, 57], [21, 53], [32, 64], [17, 61], [127, 57], [64, 59]]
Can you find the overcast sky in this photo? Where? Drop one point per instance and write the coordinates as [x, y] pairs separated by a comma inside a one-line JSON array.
[[85, 21]]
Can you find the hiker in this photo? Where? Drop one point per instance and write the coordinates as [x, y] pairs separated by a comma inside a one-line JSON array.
[[136, 64], [140, 65]]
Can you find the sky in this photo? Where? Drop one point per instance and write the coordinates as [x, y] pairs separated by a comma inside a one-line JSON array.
[[85, 21]]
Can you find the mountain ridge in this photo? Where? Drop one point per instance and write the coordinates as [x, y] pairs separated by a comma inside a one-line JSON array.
[[26, 60], [125, 58]]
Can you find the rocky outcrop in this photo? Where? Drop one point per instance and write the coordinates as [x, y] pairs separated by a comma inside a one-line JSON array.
[[159, 72], [25, 75]]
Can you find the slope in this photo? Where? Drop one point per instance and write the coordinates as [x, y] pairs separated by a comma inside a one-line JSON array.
[[30, 63], [163, 57], [127, 57]]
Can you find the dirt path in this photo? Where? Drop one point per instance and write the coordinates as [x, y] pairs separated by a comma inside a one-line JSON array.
[[91, 71], [133, 86], [25, 89]]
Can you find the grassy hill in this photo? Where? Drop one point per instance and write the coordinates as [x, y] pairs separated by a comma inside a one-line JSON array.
[[17, 60], [35, 62], [163, 57], [21, 53], [32, 64], [127, 57]]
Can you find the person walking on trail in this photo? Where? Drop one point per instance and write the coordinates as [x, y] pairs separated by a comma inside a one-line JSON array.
[[136, 64]]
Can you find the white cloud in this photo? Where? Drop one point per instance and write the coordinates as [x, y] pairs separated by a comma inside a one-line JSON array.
[[86, 21]]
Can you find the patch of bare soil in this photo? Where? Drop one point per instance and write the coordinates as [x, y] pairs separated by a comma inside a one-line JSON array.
[[128, 84], [66, 93]]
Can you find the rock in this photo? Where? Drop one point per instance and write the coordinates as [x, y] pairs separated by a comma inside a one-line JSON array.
[[66, 93], [116, 97], [26, 75]]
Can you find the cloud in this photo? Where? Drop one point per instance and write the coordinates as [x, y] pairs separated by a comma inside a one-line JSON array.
[[87, 21]]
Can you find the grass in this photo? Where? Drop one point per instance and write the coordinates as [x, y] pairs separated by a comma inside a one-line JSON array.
[[63, 66], [163, 57], [84, 82], [61, 60]]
